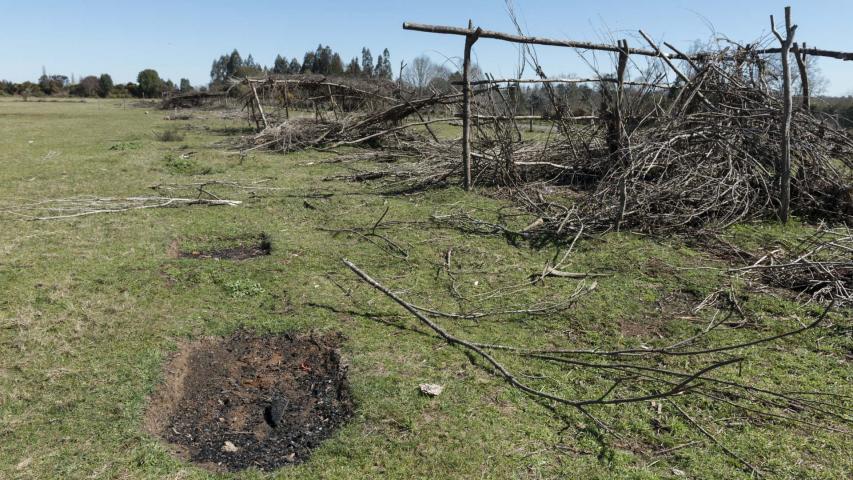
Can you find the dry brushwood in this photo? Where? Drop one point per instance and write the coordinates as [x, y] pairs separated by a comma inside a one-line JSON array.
[[642, 374], [819, 267]]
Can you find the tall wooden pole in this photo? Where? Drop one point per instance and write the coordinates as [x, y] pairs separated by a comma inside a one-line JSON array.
[[784, 165], [470, 38], [618, 127]]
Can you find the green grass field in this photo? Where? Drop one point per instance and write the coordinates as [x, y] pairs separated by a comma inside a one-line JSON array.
[[90, 307]]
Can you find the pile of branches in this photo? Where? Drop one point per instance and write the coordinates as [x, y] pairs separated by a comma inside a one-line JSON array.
[[190, 100], [819, 267], [343, 113], [712, 162]]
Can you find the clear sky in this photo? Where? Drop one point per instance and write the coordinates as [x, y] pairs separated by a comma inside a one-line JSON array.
[[181, 38]]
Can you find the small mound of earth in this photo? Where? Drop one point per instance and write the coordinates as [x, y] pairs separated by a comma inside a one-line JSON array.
[[245, 249], [251, 401]]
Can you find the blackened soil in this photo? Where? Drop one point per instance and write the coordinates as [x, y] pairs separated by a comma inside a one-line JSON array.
[[250, 248], [274, 398]]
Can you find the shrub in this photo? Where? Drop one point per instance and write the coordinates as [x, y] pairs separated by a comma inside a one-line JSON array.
[[171, 135]]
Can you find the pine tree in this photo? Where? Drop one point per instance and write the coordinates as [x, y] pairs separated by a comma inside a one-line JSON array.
[[294, 66], [366, 62], [280, 65], [219, 70], [322, 60], [307, 63], [186, 87], [387, 69], [353, 68], [235, 62], [336, 67], [383, 66]]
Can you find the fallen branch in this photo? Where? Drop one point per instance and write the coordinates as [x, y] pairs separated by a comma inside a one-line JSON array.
[[84, 206]]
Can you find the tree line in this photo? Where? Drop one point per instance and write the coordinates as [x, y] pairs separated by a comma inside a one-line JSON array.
[[421, 74], [322, 61], [148, 85]]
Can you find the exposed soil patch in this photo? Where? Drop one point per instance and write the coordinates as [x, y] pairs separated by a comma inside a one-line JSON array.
[[672, 306], [250, 401], [241, 249]]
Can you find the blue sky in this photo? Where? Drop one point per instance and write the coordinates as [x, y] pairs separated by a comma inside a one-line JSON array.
[[181, 38]]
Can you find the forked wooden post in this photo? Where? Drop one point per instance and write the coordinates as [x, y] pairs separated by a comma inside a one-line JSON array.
[[470, 38], [783, 170]]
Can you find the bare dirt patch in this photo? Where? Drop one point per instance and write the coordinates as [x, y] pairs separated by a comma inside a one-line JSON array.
[[241, 249], [670, 307], [251, 401]]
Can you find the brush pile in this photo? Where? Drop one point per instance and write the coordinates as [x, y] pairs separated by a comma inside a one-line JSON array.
[[819, 267], [712, 161], [700, 154], [312, 111]]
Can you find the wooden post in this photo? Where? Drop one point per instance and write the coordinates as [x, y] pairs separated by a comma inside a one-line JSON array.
[[470, 38], [619, 146], [531, 119], [260, 108], [783, 169], [800, 55], [286, 103]]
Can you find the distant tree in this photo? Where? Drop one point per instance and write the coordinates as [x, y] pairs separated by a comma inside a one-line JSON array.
[[280, 65], [294, 66], [440, 81], [421, 72], [336, 67], [250, 68], [186, 86], [353, 68], [105, 85], [88, 86], [307, 62], [217, 71], [52, 84], [322, 60], [133, 89], [366, 62], [235, 62], [150, 83], [383, 66]]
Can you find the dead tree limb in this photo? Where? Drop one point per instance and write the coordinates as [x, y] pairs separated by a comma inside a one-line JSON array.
[[800, 55], [675, 389]]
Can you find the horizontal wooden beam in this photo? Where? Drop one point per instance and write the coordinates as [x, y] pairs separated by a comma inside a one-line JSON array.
[[817, 52], [562, 80], [508, 37], [420, 27]]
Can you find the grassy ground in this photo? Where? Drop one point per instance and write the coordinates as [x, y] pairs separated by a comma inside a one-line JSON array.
[[91, 306]]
